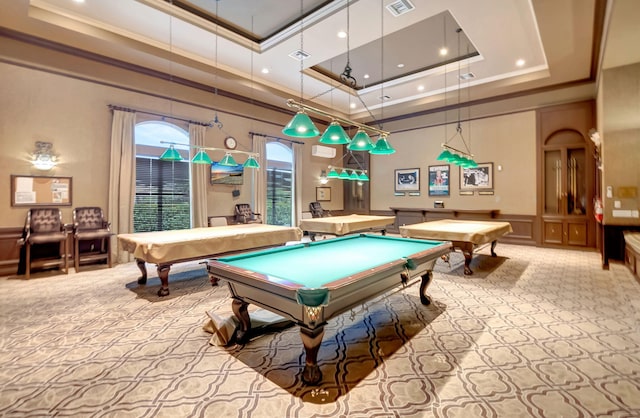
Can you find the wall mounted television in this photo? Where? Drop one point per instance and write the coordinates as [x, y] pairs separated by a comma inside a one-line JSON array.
[[221, 174]]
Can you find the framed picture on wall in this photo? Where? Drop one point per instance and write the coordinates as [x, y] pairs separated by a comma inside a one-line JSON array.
[[323, 194], [407, 180], [477, 178], [439, 180]]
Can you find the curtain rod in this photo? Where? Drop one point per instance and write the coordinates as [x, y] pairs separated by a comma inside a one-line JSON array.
[[275, 137], [126, 109]]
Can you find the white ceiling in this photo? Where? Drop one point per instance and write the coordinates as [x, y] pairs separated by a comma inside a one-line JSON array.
[[554, 37]]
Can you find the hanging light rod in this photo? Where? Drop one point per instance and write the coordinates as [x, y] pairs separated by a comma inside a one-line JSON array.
[[302, 107], [229, 151], [333, 167], [450, 148]]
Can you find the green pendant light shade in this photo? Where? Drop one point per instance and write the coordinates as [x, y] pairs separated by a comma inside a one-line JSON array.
[[344, 175], [382, 147], [335, 135], [445, 155], [228, 161], [333, 174], [363, 177], [251, 162], [360, 142], [301, 126], [171, 154], [201, 158], [354, 176]]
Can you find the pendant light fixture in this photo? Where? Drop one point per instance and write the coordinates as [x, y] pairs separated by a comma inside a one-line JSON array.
[[301, 126]]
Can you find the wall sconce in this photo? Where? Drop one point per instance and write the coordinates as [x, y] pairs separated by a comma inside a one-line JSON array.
[[43, 157], [323, 177]]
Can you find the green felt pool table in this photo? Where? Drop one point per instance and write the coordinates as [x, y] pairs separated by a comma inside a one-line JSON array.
[[310, 283]]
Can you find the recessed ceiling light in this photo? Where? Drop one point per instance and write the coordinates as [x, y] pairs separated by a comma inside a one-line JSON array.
[[352, 105], [342, 34], [265, 70], [444, 51], [420, 87], [520, 62], [366, 76], [78, 1], [400, 65]]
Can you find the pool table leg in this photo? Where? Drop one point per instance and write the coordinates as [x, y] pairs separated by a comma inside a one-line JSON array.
[[467, 250], [426, 281], [163, 274], [311, 340], [143, 269], [244, 327], [493, 248]]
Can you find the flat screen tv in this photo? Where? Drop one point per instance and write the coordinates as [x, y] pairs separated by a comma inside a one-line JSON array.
[[222, 174]]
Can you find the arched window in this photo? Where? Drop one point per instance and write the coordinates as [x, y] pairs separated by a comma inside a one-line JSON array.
[[279, 184], [162, 187]]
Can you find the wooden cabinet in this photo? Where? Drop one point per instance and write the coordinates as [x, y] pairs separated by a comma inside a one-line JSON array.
[[567, 177]]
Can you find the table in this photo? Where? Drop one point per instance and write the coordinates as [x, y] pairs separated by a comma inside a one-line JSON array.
[[465, 235], [347, 224], [312, 282], [165, 248]]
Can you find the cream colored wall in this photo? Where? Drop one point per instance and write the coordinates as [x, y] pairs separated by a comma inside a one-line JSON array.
[[73, 115], [508, 141], [620, 131]]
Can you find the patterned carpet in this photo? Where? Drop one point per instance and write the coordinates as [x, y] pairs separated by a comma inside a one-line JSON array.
[[534, 332]]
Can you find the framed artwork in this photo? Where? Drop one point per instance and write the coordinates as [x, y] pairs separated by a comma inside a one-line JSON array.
[[40, 191], [439, 180], [477, 178], [407, 180], [323, 194]]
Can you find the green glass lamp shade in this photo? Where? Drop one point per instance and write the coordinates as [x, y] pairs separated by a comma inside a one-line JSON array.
[[201, 158], [344, 175], [445, 155], [228, 160], [301, 126], [472, 163], [354, 176], [382, 147], [333, 174], [334, 135], [363, 177], [360, 142], [171, 154], [251, 162]]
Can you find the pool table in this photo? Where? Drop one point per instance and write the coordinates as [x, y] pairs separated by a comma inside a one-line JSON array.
[[465, 235], [344, 225], [165, 248], [312, 282]]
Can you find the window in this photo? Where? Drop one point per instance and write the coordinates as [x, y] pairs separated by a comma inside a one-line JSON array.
[[279, 184], [162, 187]]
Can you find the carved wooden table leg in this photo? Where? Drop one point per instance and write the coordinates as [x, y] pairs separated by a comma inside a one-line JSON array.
[[493, 248], [143, 269], [311, 340], [240, 310], [426, 281], [163, 274], [467, 250]]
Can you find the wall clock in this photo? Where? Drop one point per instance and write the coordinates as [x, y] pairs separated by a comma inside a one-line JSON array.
[[230, 142]]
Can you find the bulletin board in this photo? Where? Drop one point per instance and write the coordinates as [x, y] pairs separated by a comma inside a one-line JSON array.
[[40, 191]]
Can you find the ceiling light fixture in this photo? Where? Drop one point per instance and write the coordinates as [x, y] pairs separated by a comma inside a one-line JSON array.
[[201, 157]]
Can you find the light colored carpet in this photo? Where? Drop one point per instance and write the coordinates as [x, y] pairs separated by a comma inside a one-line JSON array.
[[534, 332]]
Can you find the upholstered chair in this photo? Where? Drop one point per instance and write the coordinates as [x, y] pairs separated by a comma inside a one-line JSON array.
[[317, 211], [89, 224], [244, 214], [44, 226]]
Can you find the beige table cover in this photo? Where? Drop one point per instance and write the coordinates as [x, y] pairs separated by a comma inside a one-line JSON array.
[[167, 246], [476, 232], [347, 224]]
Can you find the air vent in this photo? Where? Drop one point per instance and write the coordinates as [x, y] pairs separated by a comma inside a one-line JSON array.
[[299, 55], [467, 76], [400, 7]]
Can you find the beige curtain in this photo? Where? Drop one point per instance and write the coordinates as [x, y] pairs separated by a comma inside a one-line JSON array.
[[259, 203], [297, 183], [122, 179], [199, 178]]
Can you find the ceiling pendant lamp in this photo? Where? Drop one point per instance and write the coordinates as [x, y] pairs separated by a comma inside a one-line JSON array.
[[363, 177], [344, 175], [228, 161], [354, 176], [334, 135], [333, 174], [201, 158], [360, 142], [171, 154], [251, 162], [382, 147], [301, 126]]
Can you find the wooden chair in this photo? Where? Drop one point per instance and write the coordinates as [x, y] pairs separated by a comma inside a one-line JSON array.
[[317, 211], [44, 226], [89, 225], [244, 214]]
